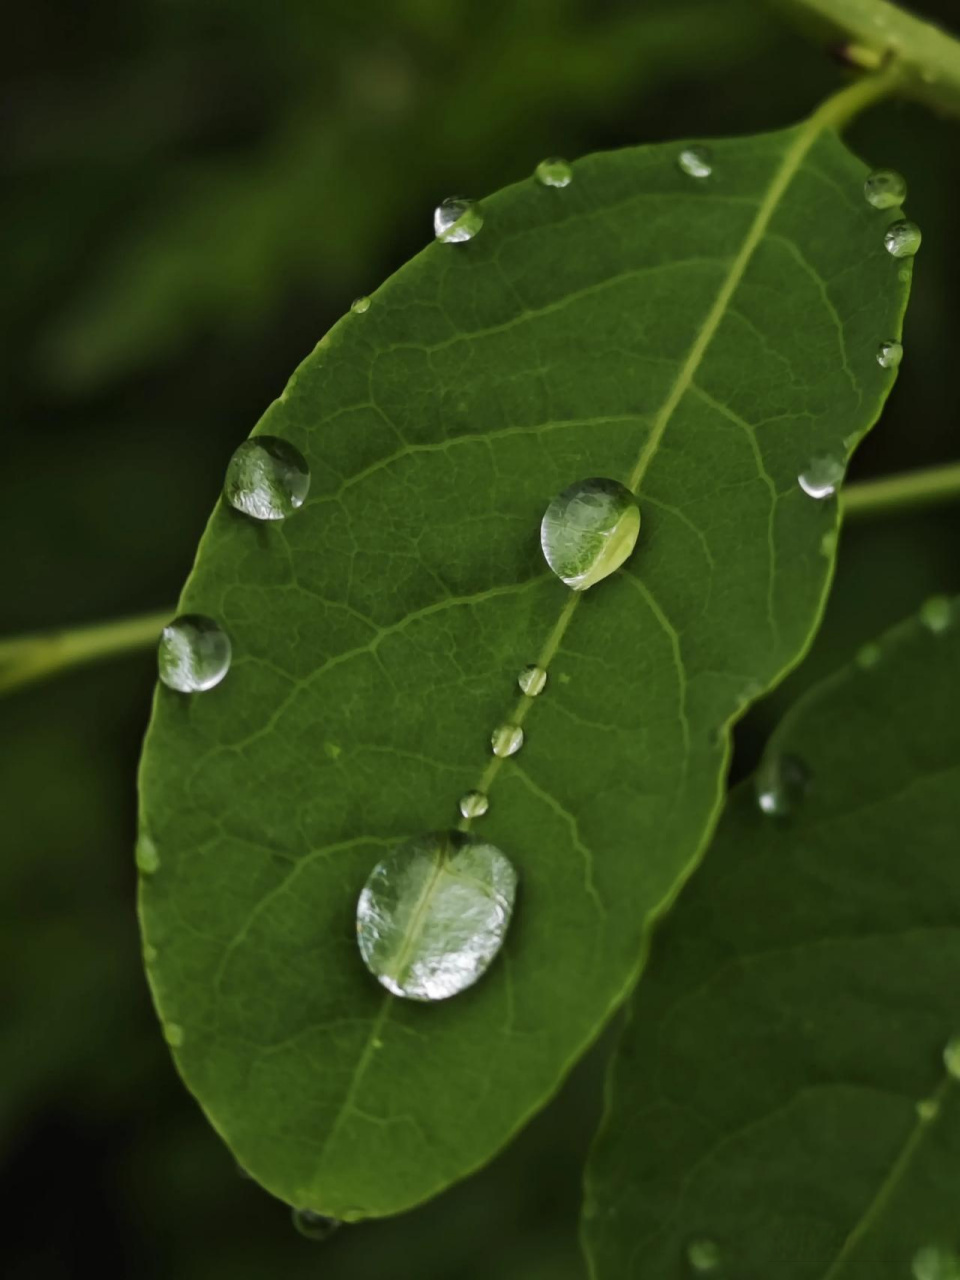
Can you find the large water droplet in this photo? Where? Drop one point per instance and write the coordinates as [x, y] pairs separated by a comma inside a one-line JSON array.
[[359, 305], [889, 354], [933, 1262], [267, 478], [936, 614], [696, 162], [781, 782], [314, 1226], [194, 654], [885, 188], [474, 804], [506, 740], [821, 476], [434, 913], [902, 239], [456, 220], [147, 856], [553, 173], [589, 530], [703, 1256], [532, 680], [951, 1057]]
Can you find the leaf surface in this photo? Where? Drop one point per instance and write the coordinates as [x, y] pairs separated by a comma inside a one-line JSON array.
[[700, 339], [781, 1089]]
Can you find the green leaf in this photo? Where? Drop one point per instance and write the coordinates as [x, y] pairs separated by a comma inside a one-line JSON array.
[[781, 1089], [701, 339]]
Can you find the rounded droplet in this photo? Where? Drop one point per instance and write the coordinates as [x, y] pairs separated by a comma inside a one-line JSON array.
[[194, 654], [936, 614], [149, 953], [147, 856], [314, 1226], [928, 1109], [902, 239], [532, 680], [456, 220], [821, 477], [781, 783], [474, 804], [703, 1256], [359, 305], [885, 188], [695, 162], [553, 173], [828, 543], [889, 354], [933, 1262], [434, 913], [868, 656], [506, 740], [589, 530], [951, 1057], [267, 479], [173, 1034]]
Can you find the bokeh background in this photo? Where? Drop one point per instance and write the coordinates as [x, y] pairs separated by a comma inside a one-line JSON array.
[[195, 190]]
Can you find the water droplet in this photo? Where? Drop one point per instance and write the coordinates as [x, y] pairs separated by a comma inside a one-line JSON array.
[[173, 1034], [532, 680], [868, 656], [314, 1226], [359, 305], [589, 530], [936, 614], [194, 654], [267, 479], [474, 804], [696, 162], [149, 953], [506, 740], [147, 856], [889, 354], [434, 913], [703, 1255], [828, 543], [902, 239], [927, 1109], [781, 782], [553, 173], [885, 188], [821, 476], [935, 1263], [456, 220], [951, 1057]]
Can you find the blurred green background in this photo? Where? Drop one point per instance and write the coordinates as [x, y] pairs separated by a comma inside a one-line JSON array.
[[194, 193]]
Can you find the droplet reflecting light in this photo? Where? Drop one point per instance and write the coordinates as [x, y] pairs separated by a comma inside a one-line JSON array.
[[589, 530], [267, 479], [193, 655], [456, 220]]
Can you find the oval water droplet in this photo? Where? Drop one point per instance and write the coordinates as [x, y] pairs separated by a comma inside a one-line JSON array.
[[456, 220], [902, 239], [553, 173], [149, 953], [506, 740], [474, 804], [532, 680], [267, 479], [889, 354], [314, 1226], [821, 477], [695, 162], [589, 530], [147, 856], [885, 188], [936, 614], [194, 654], [173, 1034], [868, 656], [359, 305], [927, 1109], [434, 913], [781, 783], [703, 1256], [951, 1056], [933, 1262]]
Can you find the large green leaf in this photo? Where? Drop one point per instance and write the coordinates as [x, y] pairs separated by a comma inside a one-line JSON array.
[[781, 1092], [703, 338]]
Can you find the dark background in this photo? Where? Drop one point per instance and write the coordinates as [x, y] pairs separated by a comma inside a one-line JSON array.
[[194, 191]]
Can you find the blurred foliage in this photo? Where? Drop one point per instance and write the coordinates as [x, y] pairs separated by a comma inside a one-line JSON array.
[[195, 192]]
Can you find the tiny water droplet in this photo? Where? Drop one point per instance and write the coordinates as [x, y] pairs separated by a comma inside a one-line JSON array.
[[359, 305], [314, 1226], [434, 913], [951, 1057], [927, 1109], [173, 1034], [781, 782], [936, 614], [589, 530], [532, 680], [889, 354], [703, 1255], [821, 476], [885, 188], [194, 654], [474, 804], [149, 953], [695, 162], [828, 543], [933, 1262], [553, 172], [147, 856], [267, 479], [902, 239], [506, 740], [456, 220], [868, 656]]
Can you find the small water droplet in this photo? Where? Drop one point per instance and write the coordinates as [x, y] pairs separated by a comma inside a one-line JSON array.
[[951, 1057], [532, 680], [936, 614], [267, 479], [781, 782], [902, 239], [456, 220], [474, 804], [314, 1226], [889, 354], [695, 162], [149, 953], [194, 654], [868, 656], [885, 188], [927, 1109], [821, 476], [933, 1262], [553, 173], [147, 856], [589, 530], [506, 740], [434, 913], [703, 1255], [173, 1034], [359, 305], [828, 543]]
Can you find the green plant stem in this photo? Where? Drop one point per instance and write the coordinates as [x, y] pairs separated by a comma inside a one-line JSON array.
[[906, 492], [26, 659]]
